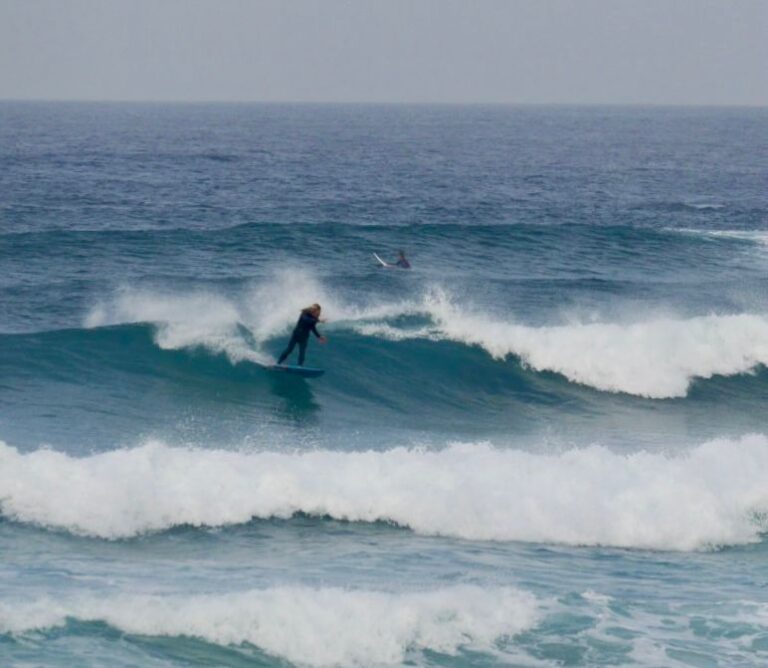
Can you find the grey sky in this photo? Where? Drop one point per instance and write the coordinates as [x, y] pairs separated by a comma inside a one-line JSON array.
[[516, 51]]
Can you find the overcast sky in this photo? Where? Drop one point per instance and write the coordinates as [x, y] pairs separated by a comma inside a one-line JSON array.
[[508, 51]]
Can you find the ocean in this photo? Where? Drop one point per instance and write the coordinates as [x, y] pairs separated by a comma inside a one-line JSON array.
[[545, 444]]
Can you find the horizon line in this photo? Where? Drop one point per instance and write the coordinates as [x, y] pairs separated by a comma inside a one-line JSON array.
[[360, 103]]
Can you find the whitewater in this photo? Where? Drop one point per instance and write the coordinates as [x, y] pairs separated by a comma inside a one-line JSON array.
[[712, 496], [386, 627]]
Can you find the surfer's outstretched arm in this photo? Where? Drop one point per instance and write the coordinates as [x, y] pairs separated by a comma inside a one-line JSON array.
[[319, 336]]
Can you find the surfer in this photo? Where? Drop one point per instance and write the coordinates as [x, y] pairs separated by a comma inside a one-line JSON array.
[[401, 260], [307, 323], [401, 263]]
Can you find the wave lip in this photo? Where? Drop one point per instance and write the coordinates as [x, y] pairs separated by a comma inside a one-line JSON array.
[[318, 627], [710, 496]]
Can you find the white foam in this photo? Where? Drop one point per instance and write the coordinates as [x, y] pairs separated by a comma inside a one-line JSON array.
[[707, 206], [317, 627], [759, 237], [714, 494]]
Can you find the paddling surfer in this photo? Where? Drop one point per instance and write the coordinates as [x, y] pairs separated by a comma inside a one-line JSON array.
[[402, 262]]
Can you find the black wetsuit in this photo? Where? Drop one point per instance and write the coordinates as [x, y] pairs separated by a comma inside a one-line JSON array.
[[307, 323]]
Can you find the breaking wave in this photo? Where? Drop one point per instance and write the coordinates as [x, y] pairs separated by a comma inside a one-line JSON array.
[[712, 495], [657, 358], [297, 623]]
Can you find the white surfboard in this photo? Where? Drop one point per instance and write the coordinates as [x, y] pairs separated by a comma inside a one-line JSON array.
[[381, 262]]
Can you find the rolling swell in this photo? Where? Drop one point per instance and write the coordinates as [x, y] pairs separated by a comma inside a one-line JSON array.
[[537, 249]]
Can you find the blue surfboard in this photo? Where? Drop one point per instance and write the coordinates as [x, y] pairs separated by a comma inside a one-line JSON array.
[[306, 371]]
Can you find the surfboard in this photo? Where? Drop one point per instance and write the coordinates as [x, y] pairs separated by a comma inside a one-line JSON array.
[[381, 262], [305, 371]]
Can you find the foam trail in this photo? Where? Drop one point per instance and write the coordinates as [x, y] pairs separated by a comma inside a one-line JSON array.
[[296, 623], [714, 494]]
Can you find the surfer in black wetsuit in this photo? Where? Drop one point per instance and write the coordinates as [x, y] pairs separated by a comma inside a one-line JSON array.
[[401, 261], [307, 323]]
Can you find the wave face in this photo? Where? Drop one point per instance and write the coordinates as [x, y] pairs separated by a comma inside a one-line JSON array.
[[713, 495], [314, 627]]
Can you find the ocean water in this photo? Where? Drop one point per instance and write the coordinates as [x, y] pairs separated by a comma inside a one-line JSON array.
[[544, 445]]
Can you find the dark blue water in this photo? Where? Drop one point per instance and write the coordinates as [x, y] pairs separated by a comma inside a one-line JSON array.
[[545, 444]]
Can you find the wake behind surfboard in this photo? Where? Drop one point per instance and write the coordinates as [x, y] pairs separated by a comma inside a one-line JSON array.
[[305, 371]]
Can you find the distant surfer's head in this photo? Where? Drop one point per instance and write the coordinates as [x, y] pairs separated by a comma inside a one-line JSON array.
[[401, 253], [314, 309]]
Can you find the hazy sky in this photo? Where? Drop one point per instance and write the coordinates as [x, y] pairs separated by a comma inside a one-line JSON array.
[[518, 51]]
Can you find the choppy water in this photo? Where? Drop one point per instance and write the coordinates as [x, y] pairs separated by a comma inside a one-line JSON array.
[[544, 445]]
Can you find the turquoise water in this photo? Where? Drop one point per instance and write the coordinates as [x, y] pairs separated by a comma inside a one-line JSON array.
[[544, 445]]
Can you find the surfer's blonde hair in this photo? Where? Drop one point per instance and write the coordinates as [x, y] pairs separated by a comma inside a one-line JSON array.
[[313, 307]]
